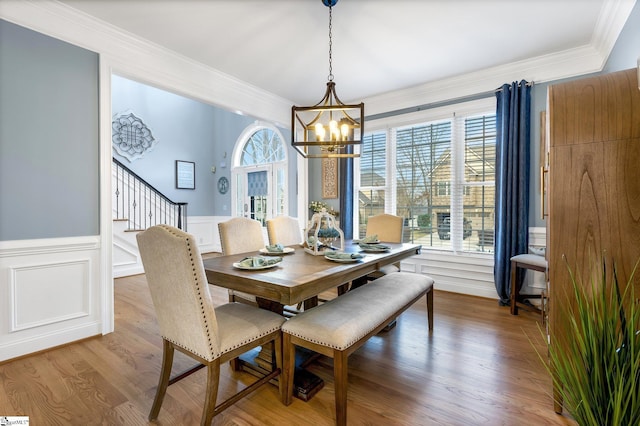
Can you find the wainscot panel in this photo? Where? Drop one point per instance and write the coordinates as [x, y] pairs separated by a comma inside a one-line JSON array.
[[49, 293]]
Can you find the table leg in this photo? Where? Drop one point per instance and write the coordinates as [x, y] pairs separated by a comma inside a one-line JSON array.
[[261, 362]]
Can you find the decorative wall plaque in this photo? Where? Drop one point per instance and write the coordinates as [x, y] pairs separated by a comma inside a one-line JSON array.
[[329, 178], [223, 185], [131, 138], [185, 174]]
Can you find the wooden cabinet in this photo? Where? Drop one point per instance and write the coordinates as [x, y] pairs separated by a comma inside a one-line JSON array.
[[594, 181]]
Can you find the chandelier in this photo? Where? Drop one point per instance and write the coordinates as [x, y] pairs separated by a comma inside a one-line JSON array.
[[329, 128]]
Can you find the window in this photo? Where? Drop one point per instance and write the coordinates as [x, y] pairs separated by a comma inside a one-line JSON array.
[[439, 175], [259, 174], [372, 193], [443, 188]]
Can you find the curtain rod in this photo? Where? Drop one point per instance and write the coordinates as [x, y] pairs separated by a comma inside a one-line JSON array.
[[432, 105], [528, 83]]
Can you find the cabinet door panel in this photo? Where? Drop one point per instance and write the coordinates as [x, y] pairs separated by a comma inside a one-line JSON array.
[[594, 186], [604, 108], [595, 203]]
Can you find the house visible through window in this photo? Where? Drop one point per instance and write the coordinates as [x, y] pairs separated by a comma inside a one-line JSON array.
[[372, 194], [439, 175]]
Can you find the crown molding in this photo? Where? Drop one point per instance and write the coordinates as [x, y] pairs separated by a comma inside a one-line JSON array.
[[551, 67], [611, 21], [569, 63], [132, 57], [141, 60]]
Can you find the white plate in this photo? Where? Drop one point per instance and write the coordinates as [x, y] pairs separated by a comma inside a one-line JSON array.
[[336, 259], [285, 250], [254, 268], [372, 242]]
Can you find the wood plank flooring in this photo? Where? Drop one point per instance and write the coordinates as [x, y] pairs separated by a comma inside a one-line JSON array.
[[477, 368]]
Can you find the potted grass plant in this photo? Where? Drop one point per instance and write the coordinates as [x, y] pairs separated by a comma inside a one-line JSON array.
[[596, 370]]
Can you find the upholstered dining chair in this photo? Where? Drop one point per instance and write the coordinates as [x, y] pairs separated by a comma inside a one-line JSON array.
[[241, 235], [190, 323], [389, 229], [284, 230]]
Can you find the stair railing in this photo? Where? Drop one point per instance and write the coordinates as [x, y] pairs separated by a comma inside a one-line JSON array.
[[142, 205]]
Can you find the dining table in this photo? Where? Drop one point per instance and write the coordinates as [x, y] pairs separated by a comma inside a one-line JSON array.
[[300, 277]]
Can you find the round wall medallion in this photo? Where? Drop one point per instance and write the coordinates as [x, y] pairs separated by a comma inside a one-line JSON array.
[[223, 185], [130, 136]]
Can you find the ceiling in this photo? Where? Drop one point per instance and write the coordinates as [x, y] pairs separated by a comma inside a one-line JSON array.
[[379, 46]]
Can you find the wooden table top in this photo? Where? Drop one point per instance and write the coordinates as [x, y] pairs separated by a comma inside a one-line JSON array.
[[300, 275]]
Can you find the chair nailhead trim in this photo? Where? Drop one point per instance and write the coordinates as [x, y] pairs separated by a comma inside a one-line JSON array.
[[200, 297]]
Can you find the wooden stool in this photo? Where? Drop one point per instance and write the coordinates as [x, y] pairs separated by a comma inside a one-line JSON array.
[[524, 261]]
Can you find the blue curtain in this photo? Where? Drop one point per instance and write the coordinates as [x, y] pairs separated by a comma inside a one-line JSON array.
[[346, 194], [513, 122]]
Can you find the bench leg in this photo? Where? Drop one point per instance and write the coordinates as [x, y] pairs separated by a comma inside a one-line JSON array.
[[288, 368], [341, 379]]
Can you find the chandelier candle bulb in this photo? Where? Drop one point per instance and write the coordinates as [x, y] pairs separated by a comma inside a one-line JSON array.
[[344, 129], [319, 132]]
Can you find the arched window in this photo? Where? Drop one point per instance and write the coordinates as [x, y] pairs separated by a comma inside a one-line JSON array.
[[259, 173]]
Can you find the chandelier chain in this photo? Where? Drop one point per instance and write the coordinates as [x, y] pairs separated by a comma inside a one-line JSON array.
[[330, 76]]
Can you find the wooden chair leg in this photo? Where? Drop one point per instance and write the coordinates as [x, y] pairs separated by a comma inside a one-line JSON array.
[[235, 364], [514, 289], [358, 282], [341, 379], [163, 382], [430, 309], [211, 394], [343, 288], [277, 347], [311, 302], [288, 368]]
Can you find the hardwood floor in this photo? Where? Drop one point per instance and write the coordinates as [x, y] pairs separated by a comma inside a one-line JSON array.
[[477, 368]]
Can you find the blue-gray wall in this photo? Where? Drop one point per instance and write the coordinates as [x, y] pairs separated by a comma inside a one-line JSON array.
[[49, 147], [187, 130]]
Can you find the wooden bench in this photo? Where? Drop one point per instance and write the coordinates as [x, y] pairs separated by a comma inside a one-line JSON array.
[[339, 327]]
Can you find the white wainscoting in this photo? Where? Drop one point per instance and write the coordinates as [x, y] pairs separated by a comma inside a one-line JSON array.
[[50, 293], [205, 231], [458, 273], [464, 273], [471, 273], [126, 257]]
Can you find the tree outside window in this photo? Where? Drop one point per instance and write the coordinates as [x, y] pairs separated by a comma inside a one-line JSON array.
[[442, 181]]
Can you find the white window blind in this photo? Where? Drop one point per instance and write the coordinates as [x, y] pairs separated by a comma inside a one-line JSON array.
[[441, 174]]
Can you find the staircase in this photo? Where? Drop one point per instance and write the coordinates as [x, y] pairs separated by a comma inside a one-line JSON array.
[[137, 205]]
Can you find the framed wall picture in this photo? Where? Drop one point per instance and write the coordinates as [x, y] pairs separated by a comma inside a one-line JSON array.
[[185, 174], [329, 178]]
